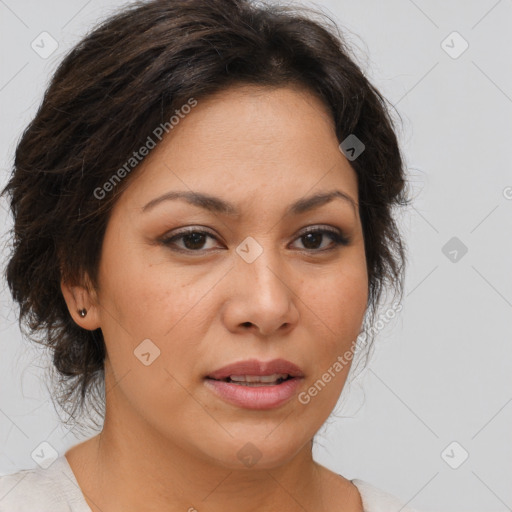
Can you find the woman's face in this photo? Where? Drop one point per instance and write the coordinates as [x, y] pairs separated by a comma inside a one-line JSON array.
[[247, 284]]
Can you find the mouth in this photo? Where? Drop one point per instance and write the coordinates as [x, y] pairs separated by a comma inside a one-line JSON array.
[[254, 384], [256, 380]]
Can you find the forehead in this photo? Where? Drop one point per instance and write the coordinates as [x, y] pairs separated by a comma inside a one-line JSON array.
[[246, 142]]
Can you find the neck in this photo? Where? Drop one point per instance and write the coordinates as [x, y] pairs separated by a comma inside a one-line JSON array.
[[118, 471]]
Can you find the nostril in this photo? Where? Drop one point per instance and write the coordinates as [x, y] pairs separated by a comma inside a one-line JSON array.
[[247, 324]]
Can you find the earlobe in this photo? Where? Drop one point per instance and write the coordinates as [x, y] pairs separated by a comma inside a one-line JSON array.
[[82, 305]]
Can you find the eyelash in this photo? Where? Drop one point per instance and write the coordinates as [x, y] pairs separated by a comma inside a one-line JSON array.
[[337, 237]]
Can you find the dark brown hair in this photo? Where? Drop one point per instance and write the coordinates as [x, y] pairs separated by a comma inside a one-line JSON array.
[[113, 89]]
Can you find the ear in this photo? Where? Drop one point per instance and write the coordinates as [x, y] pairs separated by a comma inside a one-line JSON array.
[[80, 297]]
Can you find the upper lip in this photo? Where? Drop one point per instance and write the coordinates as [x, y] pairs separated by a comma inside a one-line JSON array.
[[258, 368]]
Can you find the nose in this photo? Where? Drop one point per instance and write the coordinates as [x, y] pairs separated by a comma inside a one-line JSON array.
[[261, 297]]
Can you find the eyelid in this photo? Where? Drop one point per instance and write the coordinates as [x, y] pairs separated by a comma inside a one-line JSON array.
[[322, 228], [189, 229]]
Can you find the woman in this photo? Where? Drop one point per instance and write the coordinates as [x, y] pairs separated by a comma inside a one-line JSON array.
[[202, 224]]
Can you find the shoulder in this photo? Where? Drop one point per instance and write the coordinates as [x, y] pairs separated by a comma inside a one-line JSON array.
[[377, 500], [44, 490]]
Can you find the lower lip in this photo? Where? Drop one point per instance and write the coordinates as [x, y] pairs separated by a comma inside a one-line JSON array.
[[255, 397]]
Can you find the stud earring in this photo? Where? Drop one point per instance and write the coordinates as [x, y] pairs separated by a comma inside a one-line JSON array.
[[82, 312]]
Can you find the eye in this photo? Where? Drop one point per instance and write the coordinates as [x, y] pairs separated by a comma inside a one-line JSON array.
[[313, 239], [191, 240]]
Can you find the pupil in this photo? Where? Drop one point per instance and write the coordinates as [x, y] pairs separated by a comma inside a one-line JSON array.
[[197, 240]]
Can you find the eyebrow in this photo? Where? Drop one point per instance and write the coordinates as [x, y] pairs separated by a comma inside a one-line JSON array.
[[217, 205]]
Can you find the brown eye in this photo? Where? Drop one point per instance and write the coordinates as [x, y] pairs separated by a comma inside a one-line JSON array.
[[313, 239], [194, 240], [191, 240]]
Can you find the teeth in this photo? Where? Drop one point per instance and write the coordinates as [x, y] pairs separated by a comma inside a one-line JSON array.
[[263, 379], [256, 384]]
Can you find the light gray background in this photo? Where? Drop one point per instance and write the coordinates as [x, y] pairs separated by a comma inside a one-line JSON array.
[[441, 372]]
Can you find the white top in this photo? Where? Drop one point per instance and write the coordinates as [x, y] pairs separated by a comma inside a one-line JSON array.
[[56, 489]]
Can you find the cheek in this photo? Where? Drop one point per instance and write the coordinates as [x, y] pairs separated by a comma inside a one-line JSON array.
[[153, 301], [339, 299], [148, 298], [336, 305], [150, 339]]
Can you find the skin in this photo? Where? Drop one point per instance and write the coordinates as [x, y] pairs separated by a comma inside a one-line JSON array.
[[167, 439]]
